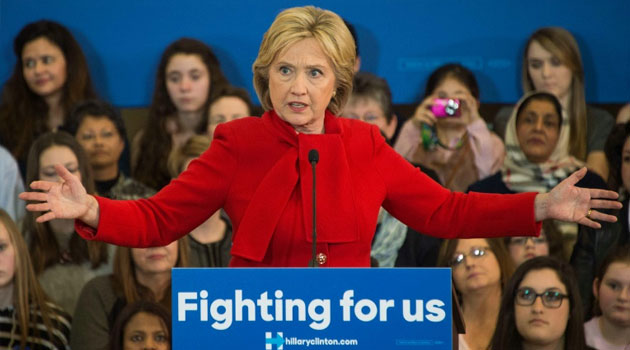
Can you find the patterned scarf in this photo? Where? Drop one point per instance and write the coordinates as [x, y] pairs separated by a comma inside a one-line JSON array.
[[521, 175]]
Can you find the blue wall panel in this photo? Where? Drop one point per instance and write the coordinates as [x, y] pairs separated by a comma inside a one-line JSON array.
[[401, 40]]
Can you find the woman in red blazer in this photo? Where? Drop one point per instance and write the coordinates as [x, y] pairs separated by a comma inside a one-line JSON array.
[[257, 170]]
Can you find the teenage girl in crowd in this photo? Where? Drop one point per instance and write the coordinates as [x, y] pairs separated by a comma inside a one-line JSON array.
[[28, 320], [63, 261], [552, 63], [460, 148], [541, 309], [610, 328], [188, 78], [50, 75]]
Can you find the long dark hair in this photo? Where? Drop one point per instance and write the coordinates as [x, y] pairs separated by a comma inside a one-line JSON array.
[[44, 246], [150, 167], [455, 71], [118, 330], [506, 336], [23, 114]]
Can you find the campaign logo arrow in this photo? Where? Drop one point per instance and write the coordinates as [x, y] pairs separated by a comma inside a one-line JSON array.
[[278, 341]]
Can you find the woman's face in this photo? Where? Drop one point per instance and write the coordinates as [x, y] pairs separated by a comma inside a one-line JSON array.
[[301, 85], [7, 257], [539, 324], [537, 130], [475, 272], [614, 294], [44, 67], [145, 331], [524, 248], [101, 141], [625, 165], [370, 111], [547, 72], [57, 154], [226, 109], [155, 260], [187, 82]]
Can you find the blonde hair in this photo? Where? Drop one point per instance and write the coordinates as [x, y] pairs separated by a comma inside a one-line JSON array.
[[193, 148], [561, 44], [298, 23], [27, 293]]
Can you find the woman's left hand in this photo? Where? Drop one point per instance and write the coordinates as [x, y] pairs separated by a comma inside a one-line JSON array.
[[567, 202]]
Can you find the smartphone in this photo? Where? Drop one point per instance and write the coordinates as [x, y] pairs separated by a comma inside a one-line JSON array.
[[446, 107]]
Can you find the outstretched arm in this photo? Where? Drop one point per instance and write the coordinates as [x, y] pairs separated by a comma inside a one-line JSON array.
[[567, 202], [62, 200]]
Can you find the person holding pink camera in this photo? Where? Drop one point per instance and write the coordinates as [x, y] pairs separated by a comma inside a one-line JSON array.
[[446, 132]]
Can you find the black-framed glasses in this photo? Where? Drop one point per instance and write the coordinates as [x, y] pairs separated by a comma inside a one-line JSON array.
[[523, 240], [475, 252], [550, 298]]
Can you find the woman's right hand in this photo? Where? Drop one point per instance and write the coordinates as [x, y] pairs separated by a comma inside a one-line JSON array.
[[66, 199], [423, 113]]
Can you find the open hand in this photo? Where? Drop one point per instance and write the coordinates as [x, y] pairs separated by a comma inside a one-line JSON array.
[[66, 199], [567, 202]]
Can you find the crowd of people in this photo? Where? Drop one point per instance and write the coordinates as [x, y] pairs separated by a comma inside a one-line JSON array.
[[59, 290]]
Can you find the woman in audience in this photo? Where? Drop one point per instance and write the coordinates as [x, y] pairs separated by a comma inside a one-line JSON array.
[[188, 78], [552, 63], [230, 104], [593, 246], [610, 329], [63, 261], [50, 75], [552, 322], [100, 130], [142, 325], [210, 243], [548, 243], [459, 146], [139, 275], [27, 319], [535, 159], [481, 268]]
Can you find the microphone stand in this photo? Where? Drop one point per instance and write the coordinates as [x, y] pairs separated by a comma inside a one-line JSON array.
[[313, 158]]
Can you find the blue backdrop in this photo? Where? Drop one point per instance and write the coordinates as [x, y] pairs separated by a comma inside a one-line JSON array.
[[401, 40]]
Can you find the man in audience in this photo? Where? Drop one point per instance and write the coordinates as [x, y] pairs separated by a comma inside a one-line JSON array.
[[371, 101], [100, 130]]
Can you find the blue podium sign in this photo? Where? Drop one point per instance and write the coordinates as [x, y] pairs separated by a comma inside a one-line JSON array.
[[294, 308]]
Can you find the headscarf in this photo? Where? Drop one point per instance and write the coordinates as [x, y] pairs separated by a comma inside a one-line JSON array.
[[521, 175]]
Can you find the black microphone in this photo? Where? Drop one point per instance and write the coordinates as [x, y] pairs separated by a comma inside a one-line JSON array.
[[313, 158]]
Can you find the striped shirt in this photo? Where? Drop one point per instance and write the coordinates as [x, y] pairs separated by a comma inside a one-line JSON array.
[[38, 337]]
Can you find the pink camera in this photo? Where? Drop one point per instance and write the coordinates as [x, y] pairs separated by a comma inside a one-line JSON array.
[[446, 107]]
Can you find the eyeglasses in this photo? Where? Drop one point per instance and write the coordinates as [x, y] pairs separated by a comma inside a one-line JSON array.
[[523, 240], [476, 252], [550, 298]]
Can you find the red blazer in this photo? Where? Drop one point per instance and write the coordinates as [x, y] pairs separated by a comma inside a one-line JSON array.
[[257, 169]]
